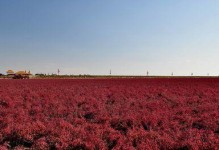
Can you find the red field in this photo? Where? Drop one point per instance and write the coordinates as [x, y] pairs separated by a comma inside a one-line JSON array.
[[110, 114]]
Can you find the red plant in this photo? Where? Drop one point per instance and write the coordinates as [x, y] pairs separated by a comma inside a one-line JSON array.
[[161, 113]]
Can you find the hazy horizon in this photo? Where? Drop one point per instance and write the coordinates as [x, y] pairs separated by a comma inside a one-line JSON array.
[[91, 37]]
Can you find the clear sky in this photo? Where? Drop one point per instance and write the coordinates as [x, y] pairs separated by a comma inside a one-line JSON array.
[[127, 36]]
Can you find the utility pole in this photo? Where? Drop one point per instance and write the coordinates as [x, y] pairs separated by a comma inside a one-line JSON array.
[[147, 73], [58, 71], [110, 72], [172, 74]]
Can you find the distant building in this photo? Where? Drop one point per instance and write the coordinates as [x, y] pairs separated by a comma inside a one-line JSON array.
[[18, 75], [10, 73]]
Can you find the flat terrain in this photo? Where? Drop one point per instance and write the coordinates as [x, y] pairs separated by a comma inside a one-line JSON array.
[[134, 113]]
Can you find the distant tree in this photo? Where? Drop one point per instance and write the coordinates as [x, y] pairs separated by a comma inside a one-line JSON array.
[[40, 74]]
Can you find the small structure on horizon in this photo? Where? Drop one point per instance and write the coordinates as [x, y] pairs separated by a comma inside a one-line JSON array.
[[18, 74], [10, 73], [58, 72]]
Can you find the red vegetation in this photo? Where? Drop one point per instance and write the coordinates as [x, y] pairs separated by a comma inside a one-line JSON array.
[[109, 114]]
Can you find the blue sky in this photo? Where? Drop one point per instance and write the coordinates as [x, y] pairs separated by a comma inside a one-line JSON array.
[[91, 37]]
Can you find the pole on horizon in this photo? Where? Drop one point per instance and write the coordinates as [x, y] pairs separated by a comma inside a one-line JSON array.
[[58, 71], [110, 72], [172, 74], [147, 72]]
